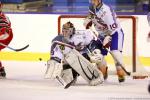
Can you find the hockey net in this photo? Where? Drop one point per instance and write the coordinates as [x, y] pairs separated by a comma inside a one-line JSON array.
[[130, 54]]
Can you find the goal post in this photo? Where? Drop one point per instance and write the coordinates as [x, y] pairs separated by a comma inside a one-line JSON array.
[[128, 23]]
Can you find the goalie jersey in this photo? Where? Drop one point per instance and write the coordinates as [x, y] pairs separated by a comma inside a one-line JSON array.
[[79, 40]]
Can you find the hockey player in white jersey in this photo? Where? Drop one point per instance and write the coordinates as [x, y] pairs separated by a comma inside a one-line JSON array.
[[74, 64], [110, 32]]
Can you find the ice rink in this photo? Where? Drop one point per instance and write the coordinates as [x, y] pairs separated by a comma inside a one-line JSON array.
[[25, 81]]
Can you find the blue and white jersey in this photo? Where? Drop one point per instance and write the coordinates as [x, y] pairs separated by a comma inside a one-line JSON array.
[[105, 21]]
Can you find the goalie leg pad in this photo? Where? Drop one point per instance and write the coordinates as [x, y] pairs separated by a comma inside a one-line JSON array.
[[86, 69], [53, 69], [66, 77], [74, 73]]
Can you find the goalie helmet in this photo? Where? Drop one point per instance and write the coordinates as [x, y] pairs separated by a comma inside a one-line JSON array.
[[68, 30]]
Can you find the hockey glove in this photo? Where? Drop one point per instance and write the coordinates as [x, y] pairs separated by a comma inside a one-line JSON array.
[[96, 56], [107, 41]]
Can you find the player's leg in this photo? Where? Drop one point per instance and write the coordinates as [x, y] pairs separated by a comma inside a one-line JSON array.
[[103, 68], [2, 71], [5, 39], [120, 71], [116, 49]]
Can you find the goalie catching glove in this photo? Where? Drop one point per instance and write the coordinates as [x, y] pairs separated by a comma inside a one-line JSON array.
[[54, 69], [96, 56]]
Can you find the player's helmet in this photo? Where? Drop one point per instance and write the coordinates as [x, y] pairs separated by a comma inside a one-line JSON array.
[[91, 0], [95, 2], [68, 30]]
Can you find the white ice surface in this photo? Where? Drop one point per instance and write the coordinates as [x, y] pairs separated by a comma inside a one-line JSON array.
[[25, 81]]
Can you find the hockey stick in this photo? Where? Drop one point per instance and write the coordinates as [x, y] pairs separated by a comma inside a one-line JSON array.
[[14, 48]]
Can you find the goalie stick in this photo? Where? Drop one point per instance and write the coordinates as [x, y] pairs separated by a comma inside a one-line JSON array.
[[20, 49]]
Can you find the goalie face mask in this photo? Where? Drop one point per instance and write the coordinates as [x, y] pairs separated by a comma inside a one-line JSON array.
[[68, 30]]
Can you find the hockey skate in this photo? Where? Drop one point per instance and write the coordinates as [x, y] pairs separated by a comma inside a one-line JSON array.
[[2, 72], [121, 75]]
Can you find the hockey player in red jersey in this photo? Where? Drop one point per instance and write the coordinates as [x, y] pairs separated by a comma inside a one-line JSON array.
[[6, 36]]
